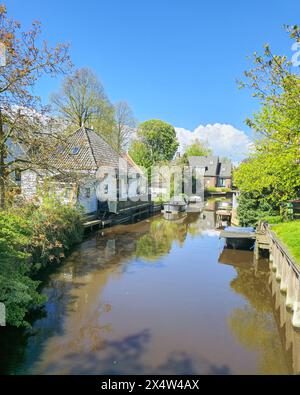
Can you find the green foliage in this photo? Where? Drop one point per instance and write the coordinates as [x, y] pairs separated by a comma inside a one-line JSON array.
[[196, 149], [289, 233], [275, 219], [217, 189], [158, 242], [156, 143], [272, 171], [56, 228], [17, 290], [272, 174], [140, 153], [252, 208], [30, 238]]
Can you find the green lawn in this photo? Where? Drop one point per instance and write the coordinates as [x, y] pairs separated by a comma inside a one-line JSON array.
[[289, 233]]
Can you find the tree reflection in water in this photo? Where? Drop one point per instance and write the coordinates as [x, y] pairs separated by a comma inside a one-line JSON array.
[[163, 233], [253, 325], [110, 310]]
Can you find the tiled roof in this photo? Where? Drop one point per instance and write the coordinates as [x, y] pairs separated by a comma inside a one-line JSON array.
[[85, 150], [225, 169], [209, 162]]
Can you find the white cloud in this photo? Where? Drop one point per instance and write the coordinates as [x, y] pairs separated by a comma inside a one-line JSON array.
[[224, 140]]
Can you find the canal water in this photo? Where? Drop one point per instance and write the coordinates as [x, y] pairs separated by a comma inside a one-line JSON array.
[[157, 297]]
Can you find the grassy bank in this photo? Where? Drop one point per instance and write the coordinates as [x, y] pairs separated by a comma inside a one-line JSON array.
[[289, 233], [31, 238]]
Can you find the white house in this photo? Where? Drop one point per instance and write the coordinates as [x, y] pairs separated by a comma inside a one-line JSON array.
[[90, 170]]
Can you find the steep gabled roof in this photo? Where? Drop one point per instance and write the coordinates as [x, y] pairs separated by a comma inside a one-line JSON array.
[[225, 169], [85, 150], [211, 164]]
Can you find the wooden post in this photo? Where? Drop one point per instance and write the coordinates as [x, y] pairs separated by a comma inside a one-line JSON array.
[[274, 262], [279, 265], [289, 302], [256, 250], [283, 284], [296, 305]]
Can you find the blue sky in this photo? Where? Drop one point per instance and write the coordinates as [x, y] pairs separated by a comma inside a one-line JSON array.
[[175, 60]]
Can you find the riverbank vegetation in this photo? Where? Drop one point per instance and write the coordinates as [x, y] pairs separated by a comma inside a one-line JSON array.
[[271, 175], [289, 233], [30, 238]]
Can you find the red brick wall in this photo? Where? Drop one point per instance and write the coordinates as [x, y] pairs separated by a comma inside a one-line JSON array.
[[210, 181]]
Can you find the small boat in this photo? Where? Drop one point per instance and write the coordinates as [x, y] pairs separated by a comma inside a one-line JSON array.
[[239, 238], [175, 205], [195, 204]]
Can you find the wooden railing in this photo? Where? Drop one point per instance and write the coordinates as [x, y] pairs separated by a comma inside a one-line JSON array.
[[286, 270], [278, 243]]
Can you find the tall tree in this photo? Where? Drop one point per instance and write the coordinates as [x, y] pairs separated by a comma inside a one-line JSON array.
[[82, 101], [272, 173], [158, 141], [276, 83], [125, 125], [198, 148], [22, 120]]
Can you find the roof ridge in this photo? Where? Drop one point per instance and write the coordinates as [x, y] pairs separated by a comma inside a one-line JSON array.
[[73, 132], [90, 145], [103, 138]]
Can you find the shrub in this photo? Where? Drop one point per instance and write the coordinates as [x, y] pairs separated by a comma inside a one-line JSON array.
[[275, 219], [218, 189], [253, 208], [30, 238], [211, 189], [17, 291]]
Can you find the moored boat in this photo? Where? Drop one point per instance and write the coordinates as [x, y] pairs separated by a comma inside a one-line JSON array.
[[239, 237], [175, 205], [195, 204]]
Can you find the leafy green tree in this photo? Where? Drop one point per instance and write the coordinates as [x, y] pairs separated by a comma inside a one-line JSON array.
[[198, 148], [158, 142], [272, 172], [140, 153], [254, 207]]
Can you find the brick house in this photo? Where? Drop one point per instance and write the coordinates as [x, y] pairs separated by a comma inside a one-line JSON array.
[[218, 173]]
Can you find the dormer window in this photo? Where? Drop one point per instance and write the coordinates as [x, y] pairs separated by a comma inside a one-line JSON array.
[[75, 150], [60, 149]]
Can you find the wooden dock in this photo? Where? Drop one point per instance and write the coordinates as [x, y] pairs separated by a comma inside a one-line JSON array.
[[92, 222]]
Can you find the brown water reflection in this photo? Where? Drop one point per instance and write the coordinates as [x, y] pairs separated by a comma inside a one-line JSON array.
[[157, 297]]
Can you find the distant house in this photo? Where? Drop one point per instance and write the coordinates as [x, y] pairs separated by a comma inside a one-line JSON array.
[[218, 173], [78, 182]]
